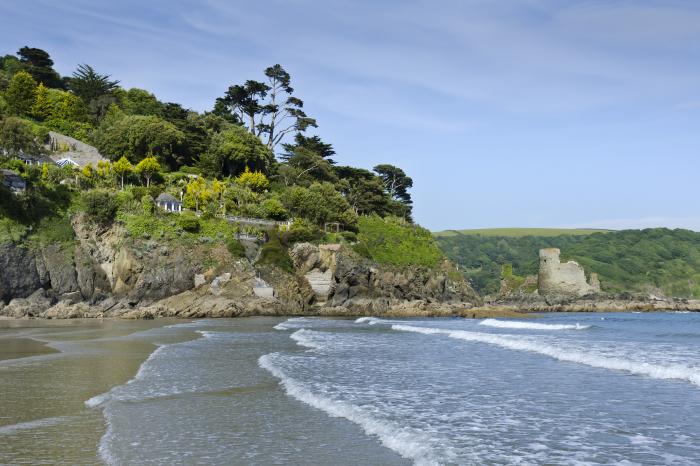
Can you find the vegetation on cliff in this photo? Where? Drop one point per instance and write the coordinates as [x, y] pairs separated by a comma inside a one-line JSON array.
[[250, 156], [654, 260]]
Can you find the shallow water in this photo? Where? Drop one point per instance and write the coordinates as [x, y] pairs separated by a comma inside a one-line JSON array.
[[562, 389]]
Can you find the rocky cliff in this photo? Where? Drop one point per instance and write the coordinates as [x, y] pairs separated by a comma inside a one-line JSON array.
[[106, 273]]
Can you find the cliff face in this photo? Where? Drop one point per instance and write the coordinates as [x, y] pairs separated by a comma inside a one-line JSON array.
[[106, 273]]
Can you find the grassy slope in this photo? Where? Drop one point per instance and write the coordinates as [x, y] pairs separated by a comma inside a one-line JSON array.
[[514, 232], [630, 260]]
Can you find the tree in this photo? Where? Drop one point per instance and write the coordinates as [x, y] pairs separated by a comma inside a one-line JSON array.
[[396, 182], [256, 181], [122, 168], [38, 63], [88, 84], [147, 168], [309, 164], [313, 144], [139, 136], [41, 108], [284, 111], [68, 107], [16, 136], [270, 119], [363, 190], [234, 149], [198, 192], [244, 101], [139, 102], [20, 93]]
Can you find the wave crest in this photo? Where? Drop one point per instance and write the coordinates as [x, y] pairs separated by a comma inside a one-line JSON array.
[[655, 371], [514, 324]]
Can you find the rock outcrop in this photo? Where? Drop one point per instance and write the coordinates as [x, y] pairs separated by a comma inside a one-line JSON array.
[[106, 273]]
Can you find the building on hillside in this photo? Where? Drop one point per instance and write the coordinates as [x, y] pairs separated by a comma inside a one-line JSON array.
[[31, 159], [12, 181], [67, 161], [169, 203]]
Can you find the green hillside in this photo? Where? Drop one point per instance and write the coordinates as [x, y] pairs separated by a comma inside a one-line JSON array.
[[510, 232], [629, 260]]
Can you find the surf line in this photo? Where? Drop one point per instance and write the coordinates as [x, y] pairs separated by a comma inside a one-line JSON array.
[[671, 372]]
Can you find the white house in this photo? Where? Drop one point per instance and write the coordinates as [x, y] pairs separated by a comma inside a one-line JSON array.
[[169, 203]]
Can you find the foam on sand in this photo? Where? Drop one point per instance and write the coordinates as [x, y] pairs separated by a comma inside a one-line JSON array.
[[36, 424], [656, 371], [407, 442], [513, 324]]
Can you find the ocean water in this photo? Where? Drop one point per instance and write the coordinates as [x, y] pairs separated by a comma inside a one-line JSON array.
[[560, 389]]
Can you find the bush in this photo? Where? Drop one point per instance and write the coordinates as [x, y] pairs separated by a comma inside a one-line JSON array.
[[189, 223], [274, 253], [235, 247], [394, 241], [147, 204], [302, 231], [100, 206]]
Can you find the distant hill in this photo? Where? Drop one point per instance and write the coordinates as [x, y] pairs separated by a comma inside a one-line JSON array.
[[657, 259], [512, 232]]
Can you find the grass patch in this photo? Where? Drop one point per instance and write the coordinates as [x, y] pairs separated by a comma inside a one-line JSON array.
[[392, 241]]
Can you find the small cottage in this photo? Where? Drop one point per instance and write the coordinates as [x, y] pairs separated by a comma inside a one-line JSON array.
[[169, 203], [30, 159], [12, 181]]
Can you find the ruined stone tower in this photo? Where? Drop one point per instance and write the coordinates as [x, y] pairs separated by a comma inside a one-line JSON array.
[[557, 281]]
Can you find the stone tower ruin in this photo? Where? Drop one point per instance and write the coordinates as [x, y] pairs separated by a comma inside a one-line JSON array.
[[557, 281]]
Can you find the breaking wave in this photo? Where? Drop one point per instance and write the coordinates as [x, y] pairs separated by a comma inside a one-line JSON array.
[[530, 325], [656, 371], [407, 442]]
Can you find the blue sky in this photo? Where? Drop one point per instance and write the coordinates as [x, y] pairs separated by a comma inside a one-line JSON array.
[[506, 113]]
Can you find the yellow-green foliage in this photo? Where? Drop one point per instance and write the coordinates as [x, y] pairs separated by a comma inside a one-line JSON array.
[[394, 241], [257, 181]]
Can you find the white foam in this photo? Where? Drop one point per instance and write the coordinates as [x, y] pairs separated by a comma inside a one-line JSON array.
[[530, 325], [100, 399], [368, 320], [36, 424], [304, 337], [656, 371], [294, 322], [408, 443]]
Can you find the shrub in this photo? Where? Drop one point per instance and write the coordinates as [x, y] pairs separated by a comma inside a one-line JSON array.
[[100, 206], [274, 253], [235, 247], [302, 231], [394, 241], [147, 204], [189, 222]]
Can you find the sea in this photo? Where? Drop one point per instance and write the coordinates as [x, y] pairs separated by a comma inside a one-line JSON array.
[[557, 389]]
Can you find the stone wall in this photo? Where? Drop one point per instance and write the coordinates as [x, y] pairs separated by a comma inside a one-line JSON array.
[[560, 281]]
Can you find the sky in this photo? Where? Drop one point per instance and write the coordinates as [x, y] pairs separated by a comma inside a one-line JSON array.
[[517, 113]]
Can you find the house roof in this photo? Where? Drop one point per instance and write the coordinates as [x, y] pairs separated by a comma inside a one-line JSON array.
[[165, 197]]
